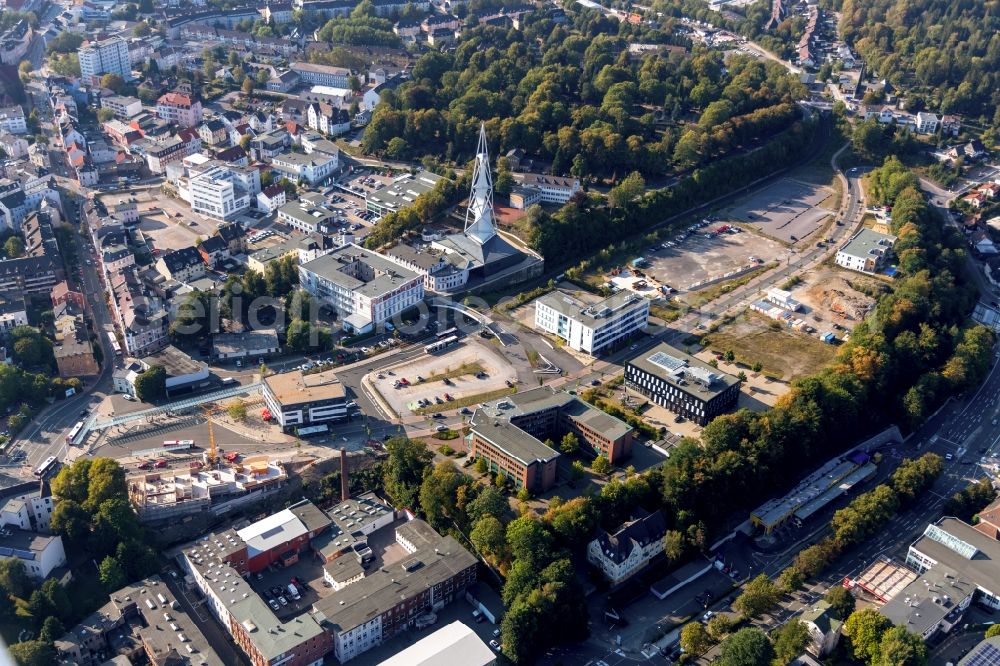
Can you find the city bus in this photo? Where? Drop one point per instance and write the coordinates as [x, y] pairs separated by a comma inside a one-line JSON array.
[[74, 431], [114, 343], [312, 431], [46, 467], [441, 344], [178, 444], [445, 334]]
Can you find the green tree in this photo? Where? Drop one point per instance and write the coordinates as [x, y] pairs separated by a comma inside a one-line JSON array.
[[403, 470], [528, 539], [759, 595], [34, 653], [482, 466], [113, 82], [56, 595], [865, 629], [994, 630], [488, 536], [104, 115], [14, 578], [247, 86], [569, 444], [695, 639], [151, 385], [841, 601], [105, 481], [601, 466], [52, 630], [790, 640], [720, 626], [674, 545], [111, 574], [237, 411], [790, 580], [747, 647], [489, 502], [631, 188], [71, 521], [437, 494], [14, 247], [900, 647]]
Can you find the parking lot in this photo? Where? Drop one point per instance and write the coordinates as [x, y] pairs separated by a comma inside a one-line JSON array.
[[452, 373], [788, 210], [698, 256]]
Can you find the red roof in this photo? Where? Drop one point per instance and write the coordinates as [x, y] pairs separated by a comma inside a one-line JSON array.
[[175, 98]]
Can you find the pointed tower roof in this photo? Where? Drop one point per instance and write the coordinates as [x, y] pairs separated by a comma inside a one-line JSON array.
[[479, 223]]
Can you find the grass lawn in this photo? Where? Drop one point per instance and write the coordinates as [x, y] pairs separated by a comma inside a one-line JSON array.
[[460, 371], [783, 352]]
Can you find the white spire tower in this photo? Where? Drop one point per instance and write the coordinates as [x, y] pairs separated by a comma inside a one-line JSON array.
[[479, 223]]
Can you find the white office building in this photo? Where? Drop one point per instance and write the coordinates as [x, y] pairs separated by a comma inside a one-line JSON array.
[[867, 251], [223, 191], [108, 56], [595, 327], [552, 189], [12, 120], [312, 168], [365, 287]]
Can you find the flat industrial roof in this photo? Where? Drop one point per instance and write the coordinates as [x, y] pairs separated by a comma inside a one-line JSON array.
[[865, 241], [674, 366], [441, 559], [592, 315], [968, 551], [296, 388], [388, 275], [271, 532], [454, 644], [938, 593], [404, 190]]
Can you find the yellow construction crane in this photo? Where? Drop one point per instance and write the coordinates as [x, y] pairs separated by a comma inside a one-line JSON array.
[[212, 457]]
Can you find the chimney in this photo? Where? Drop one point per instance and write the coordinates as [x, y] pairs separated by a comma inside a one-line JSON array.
[[345, 494]]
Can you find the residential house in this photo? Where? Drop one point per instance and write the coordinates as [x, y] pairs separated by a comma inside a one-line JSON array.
[[182, 265], [271, 198], [630, 548], [824, 628], [213, 132]]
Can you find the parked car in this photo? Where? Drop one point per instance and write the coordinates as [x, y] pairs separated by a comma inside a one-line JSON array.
[[273, 604], [283, 601]]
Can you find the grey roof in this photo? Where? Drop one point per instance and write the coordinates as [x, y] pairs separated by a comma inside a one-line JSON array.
[[641, 530], [388, 274], [435, 560], [476, 254], [868, 242], [24, 544], [227, 343], [592, 315], [307, 212], [982, 568], [404, 191], [933, 596], [344, 569], [182, 258], [310, 515], [689, 369], [174, 361], [511, 439]]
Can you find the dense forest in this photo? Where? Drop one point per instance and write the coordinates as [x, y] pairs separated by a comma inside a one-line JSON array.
[[946, 53], [572, 96]]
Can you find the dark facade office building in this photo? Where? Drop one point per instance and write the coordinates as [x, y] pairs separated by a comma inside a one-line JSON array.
[[682, 383]]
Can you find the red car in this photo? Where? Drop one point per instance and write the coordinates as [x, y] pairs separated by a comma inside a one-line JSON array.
[[160, 463], [448, 397], [404, 381], [146, 465]]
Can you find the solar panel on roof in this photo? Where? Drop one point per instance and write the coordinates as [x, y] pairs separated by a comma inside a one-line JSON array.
[[666, 361], [985, 655]]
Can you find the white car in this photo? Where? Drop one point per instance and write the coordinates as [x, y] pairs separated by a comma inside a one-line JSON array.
[[128, 397]]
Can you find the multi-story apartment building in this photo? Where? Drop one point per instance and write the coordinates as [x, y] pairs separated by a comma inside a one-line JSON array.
[[296, 400], [310, 168], [179, 108], [223, 191], [108, 56], [623, 553], [141, 318], [124, 108], [592, 328], [365, 287], [12, 120], [40, 268], [322, 75], [867, 251], [683, 384], [168, 151], [183, 264]]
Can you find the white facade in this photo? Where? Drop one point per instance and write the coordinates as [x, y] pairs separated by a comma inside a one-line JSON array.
[[866, 251], [364, 287], [122, 107], [12, 120], [222, 192], [553, 189], [311, 168], [40, 554], [109, 56], [591, 328], [927, 123]]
